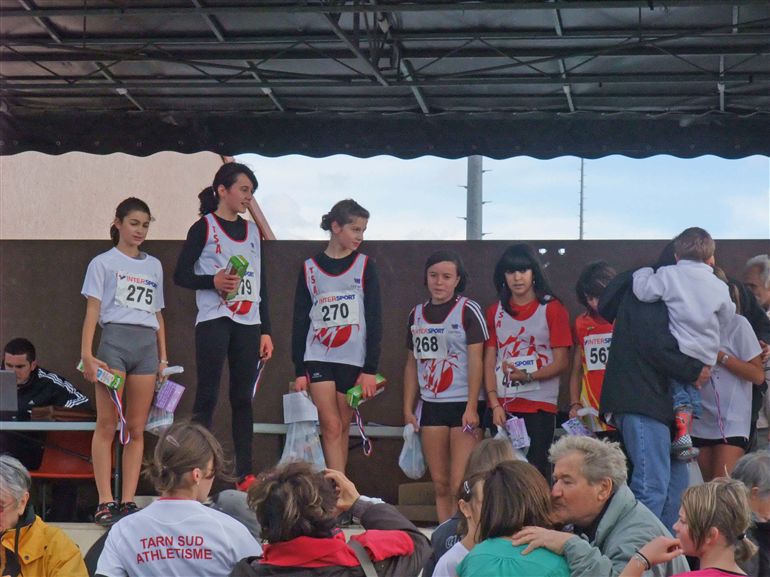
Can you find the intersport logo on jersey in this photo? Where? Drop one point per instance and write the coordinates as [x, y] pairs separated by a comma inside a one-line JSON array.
[[140, 280], [422, 331], [335, 298]]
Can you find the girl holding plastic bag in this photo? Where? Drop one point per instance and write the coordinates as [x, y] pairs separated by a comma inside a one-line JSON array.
[[445, 340], [527, 350]]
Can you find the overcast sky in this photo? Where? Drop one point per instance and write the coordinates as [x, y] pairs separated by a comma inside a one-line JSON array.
[[528, 198]]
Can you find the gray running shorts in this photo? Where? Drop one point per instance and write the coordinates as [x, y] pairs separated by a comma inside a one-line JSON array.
[[129, 348]]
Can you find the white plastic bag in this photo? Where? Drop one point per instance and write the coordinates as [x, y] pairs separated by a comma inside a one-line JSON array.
[[158, 420], [303, 444], [502, 433], [411, 460]]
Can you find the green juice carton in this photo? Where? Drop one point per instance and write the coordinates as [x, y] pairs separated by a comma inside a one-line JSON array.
[[236, 265], [104, 377], [354, 396]]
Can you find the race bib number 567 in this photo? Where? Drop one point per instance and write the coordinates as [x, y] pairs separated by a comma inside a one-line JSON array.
[[597, 351]]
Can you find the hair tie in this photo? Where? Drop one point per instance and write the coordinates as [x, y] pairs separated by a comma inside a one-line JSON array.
[[213, 191], [741, 537]]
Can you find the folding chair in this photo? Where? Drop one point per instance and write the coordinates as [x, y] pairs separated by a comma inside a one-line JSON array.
[[67, 455]]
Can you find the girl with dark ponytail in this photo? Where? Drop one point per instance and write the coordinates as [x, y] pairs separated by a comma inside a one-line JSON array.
[[232, 319], [124, 288]]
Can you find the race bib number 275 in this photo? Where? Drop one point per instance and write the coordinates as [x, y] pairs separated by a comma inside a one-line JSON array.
[[136, 291]]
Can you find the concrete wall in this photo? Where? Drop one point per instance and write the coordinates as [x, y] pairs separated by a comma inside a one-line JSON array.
[[73, 196], [40, 284]]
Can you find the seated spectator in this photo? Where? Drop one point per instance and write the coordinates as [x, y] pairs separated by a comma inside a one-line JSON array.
[[469, 504], [39, 387], [753, 470], [177, 535], [29, 545], [484, 456], [712, 526], [297, 509], [515, 495], [590, 494]]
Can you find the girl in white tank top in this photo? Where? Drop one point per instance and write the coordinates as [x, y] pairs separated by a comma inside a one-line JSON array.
[[444, 363], [334, 346], [528, 350]]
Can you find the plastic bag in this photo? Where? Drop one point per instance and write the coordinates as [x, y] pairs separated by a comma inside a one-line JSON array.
[[502, 433], [158, 420], [303, 444], [695, 476], [411, 460]]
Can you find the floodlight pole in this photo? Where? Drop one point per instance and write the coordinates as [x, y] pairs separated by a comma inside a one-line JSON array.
[[473, 219]]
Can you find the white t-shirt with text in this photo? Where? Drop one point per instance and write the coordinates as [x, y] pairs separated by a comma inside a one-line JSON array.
[[130, 289], [175, 538]]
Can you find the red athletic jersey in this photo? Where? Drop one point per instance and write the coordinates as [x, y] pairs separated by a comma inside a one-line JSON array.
[[593, 335]]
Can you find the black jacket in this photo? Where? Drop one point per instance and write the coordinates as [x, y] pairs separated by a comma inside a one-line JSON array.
[[644, 356], [46, 388]]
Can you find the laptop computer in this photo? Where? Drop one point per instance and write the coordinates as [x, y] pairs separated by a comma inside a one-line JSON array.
[[9, 399]]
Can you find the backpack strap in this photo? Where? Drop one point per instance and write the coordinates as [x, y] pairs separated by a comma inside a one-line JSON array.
[[363, 558]]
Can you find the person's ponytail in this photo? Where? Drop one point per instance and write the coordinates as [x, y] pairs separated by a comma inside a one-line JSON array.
[[209, 200], [745, 549]]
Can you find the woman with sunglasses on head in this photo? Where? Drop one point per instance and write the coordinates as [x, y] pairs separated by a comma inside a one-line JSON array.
[[527, 349]]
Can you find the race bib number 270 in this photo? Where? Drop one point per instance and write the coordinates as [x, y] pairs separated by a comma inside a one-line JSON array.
[[335, 309]]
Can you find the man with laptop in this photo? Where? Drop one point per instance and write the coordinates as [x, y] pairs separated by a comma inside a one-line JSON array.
[[26, 385], [35, 386]]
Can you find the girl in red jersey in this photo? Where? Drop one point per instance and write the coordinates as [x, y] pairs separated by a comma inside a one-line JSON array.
[[445, 341], [527, 350], [337, 326], [593, 337]]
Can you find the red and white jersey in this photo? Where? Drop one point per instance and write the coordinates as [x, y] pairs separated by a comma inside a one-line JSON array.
[[337, 332], [219, 247], [441, 350], [527, 344]]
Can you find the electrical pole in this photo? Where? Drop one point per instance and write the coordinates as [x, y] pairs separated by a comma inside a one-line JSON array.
[[581, 198], [473, 220]]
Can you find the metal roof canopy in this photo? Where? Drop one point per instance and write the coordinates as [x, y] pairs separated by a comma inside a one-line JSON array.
[[446, 78]]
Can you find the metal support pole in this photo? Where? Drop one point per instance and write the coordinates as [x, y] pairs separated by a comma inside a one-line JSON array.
[[475, 195], [582, 172]]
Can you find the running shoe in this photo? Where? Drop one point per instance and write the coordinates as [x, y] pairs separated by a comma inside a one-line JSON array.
[[107, 513], [127, 508]]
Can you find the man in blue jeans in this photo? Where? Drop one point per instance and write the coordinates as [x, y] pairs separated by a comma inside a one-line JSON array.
[[644, 358]]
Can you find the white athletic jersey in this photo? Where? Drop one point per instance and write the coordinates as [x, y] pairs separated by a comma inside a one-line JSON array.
[[216, 253], [337, 332], [130, 289], [175, 538], [726, 397], [526, 343], [441, 351]]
